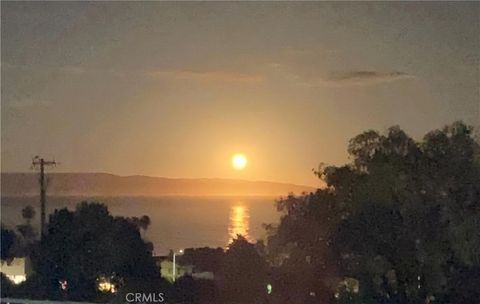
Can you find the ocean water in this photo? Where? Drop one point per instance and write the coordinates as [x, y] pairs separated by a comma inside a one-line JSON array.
[[176, 222]]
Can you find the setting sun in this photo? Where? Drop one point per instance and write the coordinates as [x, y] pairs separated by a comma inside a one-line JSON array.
[[239, 161]]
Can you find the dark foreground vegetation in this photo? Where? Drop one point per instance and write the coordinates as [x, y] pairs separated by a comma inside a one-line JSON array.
[[399, 224]]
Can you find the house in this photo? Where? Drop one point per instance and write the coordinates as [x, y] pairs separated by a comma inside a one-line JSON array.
[[166, 269], [16, 270]]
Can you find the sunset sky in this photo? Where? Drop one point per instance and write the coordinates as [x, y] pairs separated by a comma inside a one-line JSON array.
[[175, 89]]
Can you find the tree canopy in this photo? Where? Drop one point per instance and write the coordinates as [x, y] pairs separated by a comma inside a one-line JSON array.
[[8, 238], [243, 276], [398, 224], [86, 244]]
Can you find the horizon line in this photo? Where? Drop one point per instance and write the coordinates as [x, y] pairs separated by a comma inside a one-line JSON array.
[[171, 178]]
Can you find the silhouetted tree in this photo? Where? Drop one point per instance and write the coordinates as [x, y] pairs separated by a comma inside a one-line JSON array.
[[88, 243], [401, 220], [141, 222], [28, 213], [26, 230], [144, 222], [243, 277], [204, 259], [7, 288], [8, 240]]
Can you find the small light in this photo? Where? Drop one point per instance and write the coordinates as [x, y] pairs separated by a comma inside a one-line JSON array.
[[63, 284], [105, 285], [269, 288]]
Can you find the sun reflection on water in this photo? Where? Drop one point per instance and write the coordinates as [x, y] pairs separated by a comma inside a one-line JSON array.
[[239, 222]]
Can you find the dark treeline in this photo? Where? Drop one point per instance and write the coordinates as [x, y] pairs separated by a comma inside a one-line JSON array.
[[398, 224]]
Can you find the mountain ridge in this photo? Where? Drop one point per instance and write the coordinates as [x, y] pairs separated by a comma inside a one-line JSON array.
[[107, 184]]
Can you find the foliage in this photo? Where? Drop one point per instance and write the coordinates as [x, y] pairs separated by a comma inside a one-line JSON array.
[[26, 230], [204, 259], [87, 243], [142, 222], [402, 218], [28, 213], [243, 274], [8, 241], [6, 285]]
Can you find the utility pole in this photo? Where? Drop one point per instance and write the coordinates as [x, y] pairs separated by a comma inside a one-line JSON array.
[[174, 272], [40, 162]]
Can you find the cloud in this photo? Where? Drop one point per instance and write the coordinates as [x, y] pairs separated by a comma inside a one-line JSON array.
[[208, 76], [312, 78], [363, 77]]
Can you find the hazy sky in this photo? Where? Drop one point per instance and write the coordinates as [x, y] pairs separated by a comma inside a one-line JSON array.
[[174, 89]]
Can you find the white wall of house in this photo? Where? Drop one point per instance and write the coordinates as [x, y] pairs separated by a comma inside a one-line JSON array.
[[15, 270]]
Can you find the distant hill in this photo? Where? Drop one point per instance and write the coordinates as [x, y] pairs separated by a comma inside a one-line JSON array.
[[103, 184]]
